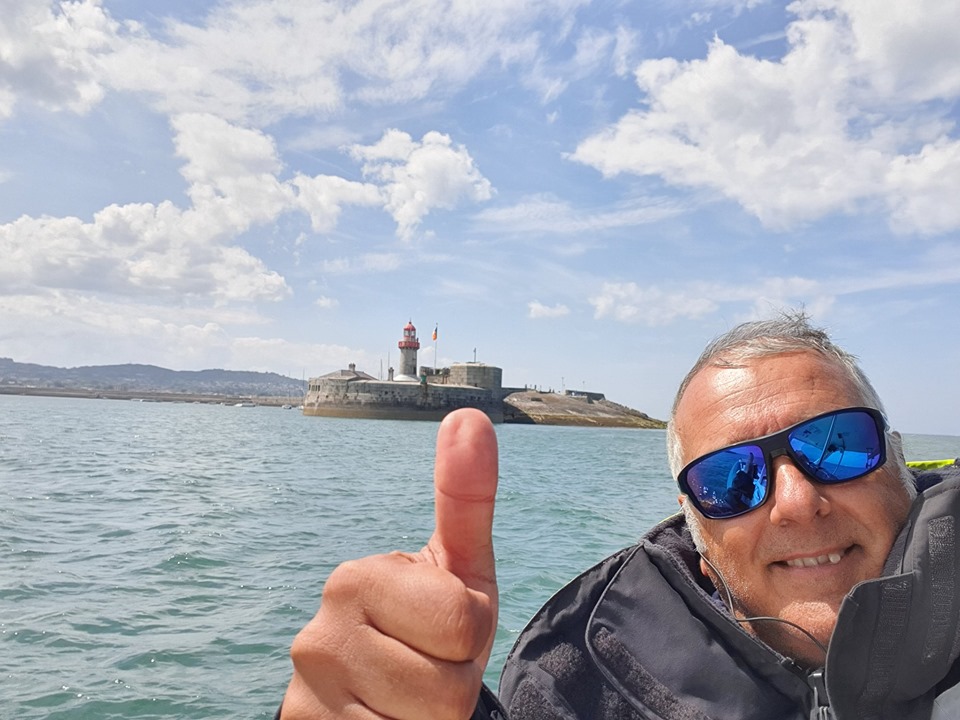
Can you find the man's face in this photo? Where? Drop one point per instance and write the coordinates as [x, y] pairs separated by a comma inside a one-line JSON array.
[[780, 560]]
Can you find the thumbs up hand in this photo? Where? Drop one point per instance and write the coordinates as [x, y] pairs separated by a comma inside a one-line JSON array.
[[408, 635]]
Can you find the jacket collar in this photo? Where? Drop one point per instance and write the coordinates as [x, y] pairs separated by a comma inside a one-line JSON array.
[[657, 604], [897, 637]]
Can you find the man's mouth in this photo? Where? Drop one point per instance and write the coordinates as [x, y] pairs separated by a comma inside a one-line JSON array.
[[828, 559]]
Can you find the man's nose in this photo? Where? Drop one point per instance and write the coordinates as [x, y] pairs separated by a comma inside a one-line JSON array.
[[796, 497]]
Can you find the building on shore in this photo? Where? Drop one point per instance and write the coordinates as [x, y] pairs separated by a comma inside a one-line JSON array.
[[427, 393], [413, 393]]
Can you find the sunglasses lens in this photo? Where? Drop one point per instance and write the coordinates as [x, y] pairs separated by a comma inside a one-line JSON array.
[[728, 482], [840, 446]]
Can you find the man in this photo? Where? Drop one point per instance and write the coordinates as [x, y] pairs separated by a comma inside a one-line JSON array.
[[744, 485], [728, 610]]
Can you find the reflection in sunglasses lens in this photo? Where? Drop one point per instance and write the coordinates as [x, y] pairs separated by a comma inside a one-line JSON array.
[[730, 482], [838, 447]]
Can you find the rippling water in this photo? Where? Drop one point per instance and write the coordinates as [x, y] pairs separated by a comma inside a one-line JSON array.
[[157, 559]]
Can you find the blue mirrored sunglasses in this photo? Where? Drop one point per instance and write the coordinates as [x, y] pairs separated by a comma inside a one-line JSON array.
[[831, 448]]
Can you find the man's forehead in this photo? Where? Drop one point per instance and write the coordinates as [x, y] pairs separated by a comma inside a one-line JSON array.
[[730, 403], [765, 374]]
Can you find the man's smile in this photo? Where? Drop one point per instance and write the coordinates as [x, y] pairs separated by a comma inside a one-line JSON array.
[[813, 561]]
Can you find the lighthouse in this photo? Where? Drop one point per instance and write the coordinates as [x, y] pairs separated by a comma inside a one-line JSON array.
[[408, 353]]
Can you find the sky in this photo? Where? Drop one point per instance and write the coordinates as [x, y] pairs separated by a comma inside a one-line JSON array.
[[581, 193]]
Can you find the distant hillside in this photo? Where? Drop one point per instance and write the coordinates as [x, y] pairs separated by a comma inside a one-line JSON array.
[[149, 378]]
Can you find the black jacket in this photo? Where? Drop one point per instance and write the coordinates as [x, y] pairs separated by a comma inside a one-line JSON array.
[[641, 636]]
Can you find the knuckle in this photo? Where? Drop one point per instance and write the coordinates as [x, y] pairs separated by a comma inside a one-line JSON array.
[[345, 580], [329, 640], [324, 638], [313, 645]]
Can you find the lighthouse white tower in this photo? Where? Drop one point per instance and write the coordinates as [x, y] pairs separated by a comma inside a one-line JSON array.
[[408, 353]]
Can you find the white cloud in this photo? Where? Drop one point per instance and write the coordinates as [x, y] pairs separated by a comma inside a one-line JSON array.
[[137, 249], [924, 189], [95, 330], [326, 303], [908, 51], [414, 48], [418, 177], [652, 305], [625, 46], [381, 262], [69, 54], [148, 250], [324, 137], [545, 81], [233, 176], [208, 68], [8, 98], [595, 50], [161, 250], [815, 133], [547, 214], [630, 303], [324, 196], [50, 54], [391, 52], [232, 172], [538, 310], [365, 263]]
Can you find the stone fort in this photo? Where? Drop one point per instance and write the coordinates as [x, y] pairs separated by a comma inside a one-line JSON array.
[[413, 393]]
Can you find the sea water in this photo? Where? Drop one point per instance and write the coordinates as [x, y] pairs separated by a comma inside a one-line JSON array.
[[156, 559]]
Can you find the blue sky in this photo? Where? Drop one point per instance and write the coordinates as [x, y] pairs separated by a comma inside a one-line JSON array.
[[580, 193]]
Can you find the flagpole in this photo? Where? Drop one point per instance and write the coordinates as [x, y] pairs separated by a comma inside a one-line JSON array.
[[436, 358]]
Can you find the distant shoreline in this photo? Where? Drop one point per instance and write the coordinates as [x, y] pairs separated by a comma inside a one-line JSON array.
[[146, 396], [527, 408]]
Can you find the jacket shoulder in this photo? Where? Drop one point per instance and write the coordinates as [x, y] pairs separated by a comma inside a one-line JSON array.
[[550, 652]]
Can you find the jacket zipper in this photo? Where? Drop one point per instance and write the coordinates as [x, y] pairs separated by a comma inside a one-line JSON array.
[[821, 703]]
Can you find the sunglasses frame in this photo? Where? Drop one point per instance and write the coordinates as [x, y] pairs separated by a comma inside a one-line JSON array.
[[777, 444]]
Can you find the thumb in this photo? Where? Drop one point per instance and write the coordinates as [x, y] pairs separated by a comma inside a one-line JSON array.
[[465, 483]]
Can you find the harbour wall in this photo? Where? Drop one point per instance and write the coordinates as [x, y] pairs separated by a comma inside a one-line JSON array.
[[335, 397]]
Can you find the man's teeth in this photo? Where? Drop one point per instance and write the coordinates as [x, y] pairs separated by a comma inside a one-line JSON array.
[[832, 558]]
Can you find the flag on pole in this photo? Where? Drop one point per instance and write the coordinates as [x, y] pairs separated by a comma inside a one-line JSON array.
[[435, 332]]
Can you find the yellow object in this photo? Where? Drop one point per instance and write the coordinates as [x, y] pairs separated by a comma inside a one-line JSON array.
[[930, 464]]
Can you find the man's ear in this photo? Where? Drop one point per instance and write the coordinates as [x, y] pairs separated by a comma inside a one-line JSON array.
[[705, 571], [680, 498]]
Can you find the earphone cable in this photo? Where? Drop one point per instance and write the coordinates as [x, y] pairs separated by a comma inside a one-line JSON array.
[[759, 618]]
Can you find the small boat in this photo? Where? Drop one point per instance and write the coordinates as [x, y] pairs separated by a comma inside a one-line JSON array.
[[245, 404]]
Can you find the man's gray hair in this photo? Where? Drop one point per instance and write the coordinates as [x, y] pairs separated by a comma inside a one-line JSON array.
[[790, 332]]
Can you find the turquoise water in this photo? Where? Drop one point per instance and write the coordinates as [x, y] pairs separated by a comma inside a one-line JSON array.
[[157, 559]]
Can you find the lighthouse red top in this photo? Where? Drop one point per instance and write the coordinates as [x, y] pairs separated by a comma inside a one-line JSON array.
[[410, 340]]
